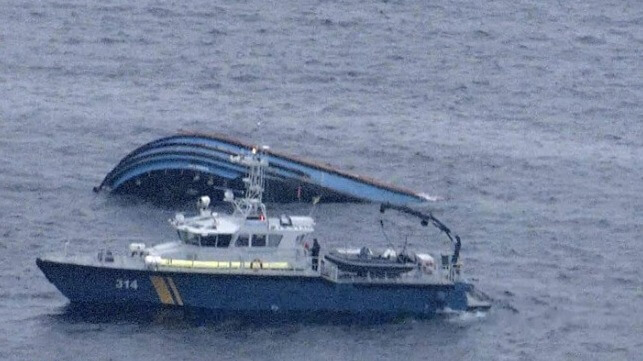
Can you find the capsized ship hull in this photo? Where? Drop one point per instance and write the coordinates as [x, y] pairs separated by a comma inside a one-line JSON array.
[[229, 292], [177, 168]]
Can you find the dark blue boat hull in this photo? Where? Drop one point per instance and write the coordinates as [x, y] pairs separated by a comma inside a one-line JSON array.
[[181, 167], [247, 293]]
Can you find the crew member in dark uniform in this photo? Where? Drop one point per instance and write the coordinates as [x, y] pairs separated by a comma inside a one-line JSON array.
[[315, 253]]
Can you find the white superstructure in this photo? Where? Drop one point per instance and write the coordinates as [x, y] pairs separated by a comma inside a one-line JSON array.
[[245, 239]]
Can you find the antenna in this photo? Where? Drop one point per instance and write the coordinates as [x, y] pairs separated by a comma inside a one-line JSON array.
[[312, 208], [260, 134]]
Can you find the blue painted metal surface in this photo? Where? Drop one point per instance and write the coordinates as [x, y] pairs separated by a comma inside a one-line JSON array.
[[249, 293], [183, 166]]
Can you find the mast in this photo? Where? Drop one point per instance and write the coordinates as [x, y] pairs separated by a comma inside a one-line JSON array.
[[251, 205]]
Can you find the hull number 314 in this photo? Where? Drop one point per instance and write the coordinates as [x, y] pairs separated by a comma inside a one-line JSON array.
[[126, 284]]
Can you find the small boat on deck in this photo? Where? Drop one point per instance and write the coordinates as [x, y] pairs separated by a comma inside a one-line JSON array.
[[364, 263]]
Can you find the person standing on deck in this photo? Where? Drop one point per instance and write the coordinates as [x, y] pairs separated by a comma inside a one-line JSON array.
[[315, 254]]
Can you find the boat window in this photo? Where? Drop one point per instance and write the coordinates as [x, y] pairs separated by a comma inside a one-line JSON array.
[[300, 238], [209, 241], [224, 240], [258, 240], [242, 240], [274, 240], [189, 238]]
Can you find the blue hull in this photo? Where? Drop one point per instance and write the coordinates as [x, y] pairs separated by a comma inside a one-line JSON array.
[[163, 170], [230, 293]]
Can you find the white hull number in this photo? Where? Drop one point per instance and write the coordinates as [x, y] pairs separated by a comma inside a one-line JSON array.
[[126, 284]]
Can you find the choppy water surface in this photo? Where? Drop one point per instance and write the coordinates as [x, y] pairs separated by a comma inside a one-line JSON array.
[[525, 117]]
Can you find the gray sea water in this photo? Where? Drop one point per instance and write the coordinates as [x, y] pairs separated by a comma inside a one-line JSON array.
[[525, 117]]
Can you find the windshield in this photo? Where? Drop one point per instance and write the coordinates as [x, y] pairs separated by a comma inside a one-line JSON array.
[[189, 238]]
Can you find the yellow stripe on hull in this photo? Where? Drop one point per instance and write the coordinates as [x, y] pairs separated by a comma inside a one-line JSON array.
[[161, 290], [277, 265], [184, 263], [175, 291]]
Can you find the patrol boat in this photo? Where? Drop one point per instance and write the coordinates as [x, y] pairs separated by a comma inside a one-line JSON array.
[[249, 262]]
